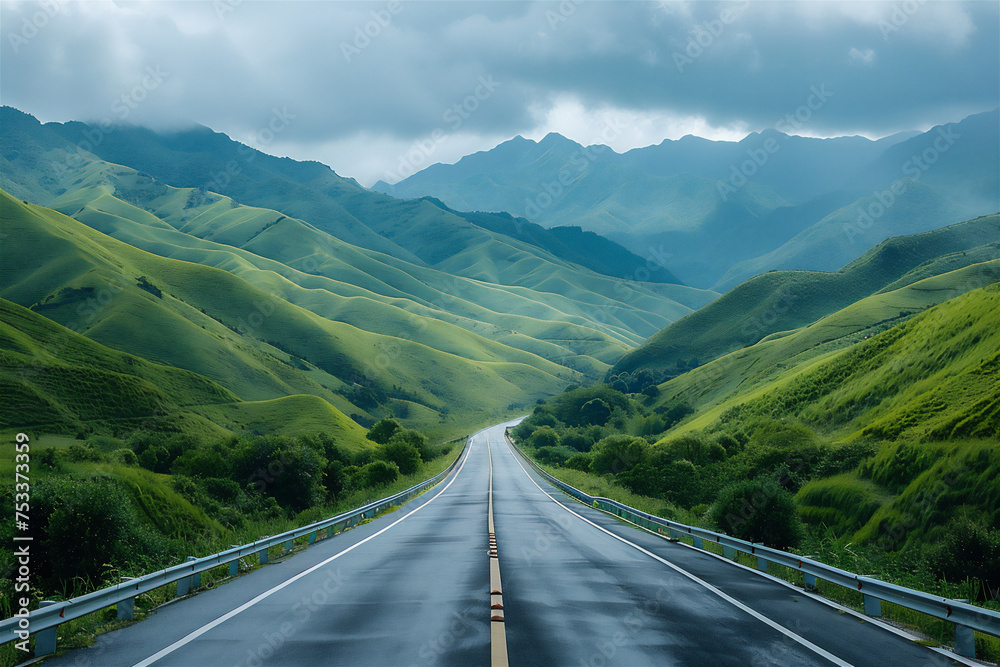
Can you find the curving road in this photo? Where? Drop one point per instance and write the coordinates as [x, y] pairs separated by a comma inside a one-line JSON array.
[[580, 589]]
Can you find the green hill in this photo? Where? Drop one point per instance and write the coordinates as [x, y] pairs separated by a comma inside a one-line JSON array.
[[416, 231], [920, 403], [786, 300], [511, 291], [57, 381], [761, 369], [251, 341]]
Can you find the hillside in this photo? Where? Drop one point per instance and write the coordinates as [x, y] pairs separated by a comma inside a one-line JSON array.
[[251, 341], [57, 381], [458, 291], [414, 231], [786, 300]]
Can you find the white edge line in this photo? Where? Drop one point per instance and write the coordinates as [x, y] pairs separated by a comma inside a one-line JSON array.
[[874, 620], [246, 605], [733, 601]]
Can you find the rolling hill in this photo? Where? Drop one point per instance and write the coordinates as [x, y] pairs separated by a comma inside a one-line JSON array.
[[794, 374], [252, 342], [416, 231], [782, 301], [57, 380]]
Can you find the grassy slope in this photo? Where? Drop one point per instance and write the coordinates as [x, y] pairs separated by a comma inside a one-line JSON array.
[[519, 288], [839, 237], [419, 232], [922, 394], [762, 369], [782, 301], [193, 324], [57, 380]]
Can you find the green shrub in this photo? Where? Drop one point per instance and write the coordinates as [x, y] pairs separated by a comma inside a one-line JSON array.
[[579, 462], [553, 456], [382, 430], [377, 473], [970, 549], [618, 453], [125, 457], [399, 451], [578, 440], [88, 526], [545, 436], [758, 510]]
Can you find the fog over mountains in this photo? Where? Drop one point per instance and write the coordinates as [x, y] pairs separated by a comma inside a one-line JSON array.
[[718, 212]]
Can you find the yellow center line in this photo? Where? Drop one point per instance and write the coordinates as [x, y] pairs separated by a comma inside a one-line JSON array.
[[498, 631]]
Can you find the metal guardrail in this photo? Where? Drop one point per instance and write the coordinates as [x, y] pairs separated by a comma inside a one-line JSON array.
[[966, 617], [43, 622]]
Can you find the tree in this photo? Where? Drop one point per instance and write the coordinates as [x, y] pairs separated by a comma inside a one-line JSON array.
[[618, 453], [399, 451], [546, 436], [759, 510], [378, 473], [382, 430], [416, 440], [595, 411]]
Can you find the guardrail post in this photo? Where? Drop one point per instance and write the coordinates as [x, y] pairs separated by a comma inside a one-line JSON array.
[[312, 538], [195, 578], [729, 552], [965, 641], [697, 542], [184, 585], [761, 564], [262, 557], [126, 609], [289, 545], [234, 567], [873, 606], [809, 580], [330, 531], [45, 641]]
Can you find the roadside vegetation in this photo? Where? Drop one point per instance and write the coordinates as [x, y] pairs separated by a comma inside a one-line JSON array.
[[104, 508], [879, 457]]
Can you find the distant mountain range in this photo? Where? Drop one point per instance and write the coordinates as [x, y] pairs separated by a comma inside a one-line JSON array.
[[718, 213]]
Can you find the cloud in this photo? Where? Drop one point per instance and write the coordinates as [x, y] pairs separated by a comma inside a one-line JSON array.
[[367, 80]]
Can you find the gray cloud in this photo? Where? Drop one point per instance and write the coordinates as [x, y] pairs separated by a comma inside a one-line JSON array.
[[365, 80]]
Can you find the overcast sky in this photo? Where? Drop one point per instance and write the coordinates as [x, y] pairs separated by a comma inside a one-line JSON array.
[[373, 89]]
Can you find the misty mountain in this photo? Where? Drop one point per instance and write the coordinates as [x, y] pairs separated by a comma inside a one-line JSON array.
[[718, 211]]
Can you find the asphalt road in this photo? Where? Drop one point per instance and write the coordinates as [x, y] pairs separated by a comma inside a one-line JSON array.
[[580, 589]]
